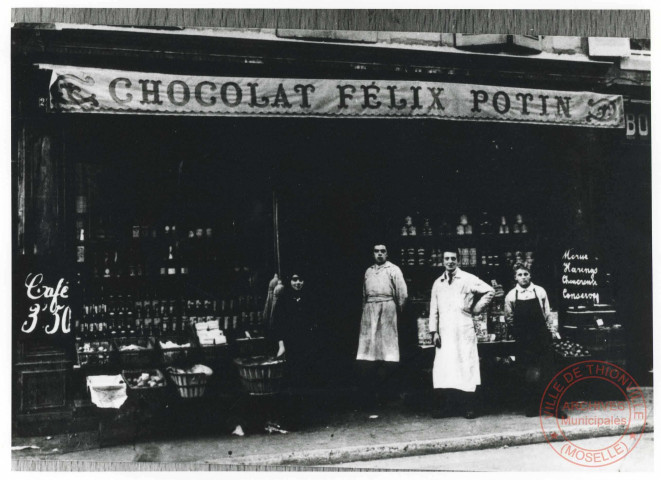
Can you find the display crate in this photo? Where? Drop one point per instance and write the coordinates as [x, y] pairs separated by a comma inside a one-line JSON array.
[[94, 353], [135, 358], [173, 355]]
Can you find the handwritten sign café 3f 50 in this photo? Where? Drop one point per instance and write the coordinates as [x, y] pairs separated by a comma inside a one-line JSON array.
[[93, 90]]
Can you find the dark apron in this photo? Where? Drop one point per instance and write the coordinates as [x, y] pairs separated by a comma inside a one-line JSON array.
[[532, 336]]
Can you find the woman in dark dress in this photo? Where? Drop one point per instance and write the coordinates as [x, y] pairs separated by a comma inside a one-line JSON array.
[[296, 331]]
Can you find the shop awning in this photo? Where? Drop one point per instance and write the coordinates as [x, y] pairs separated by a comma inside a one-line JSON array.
[[93, 90]]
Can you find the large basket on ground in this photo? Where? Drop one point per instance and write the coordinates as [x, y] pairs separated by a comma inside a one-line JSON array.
[[261, 375], [189, 385], [139, 358]]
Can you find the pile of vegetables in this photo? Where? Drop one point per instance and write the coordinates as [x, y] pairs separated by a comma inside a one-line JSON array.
[[150, 379], [567, 348], [93, 347]]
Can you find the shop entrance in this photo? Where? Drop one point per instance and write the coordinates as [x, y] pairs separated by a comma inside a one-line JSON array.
[[340, 186]]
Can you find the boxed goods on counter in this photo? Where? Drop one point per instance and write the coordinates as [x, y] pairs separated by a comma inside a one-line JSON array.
[[209, 333], [212, 341], [424, 335], [480, 325]]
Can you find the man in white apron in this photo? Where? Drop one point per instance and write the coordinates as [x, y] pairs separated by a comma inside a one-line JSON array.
[[384, 295], [455, 297]]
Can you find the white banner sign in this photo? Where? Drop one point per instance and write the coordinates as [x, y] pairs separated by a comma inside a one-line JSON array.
[[91, 90]]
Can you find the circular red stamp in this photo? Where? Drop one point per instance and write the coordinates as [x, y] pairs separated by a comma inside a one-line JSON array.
[[622, 415]]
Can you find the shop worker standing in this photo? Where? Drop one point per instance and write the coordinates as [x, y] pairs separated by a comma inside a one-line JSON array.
[[527, 310], [455, 297], [384, 297]]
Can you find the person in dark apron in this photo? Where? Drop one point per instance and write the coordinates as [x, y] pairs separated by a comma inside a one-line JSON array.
[[527, 308]]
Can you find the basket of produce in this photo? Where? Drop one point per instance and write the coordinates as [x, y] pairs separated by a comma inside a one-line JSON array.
[[262, 375], [568, 351], [190, 382], [144, 382], [93, 353], [135, 352], [175, 348], [249, 346]]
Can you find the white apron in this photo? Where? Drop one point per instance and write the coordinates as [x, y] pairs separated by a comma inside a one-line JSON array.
[[384, 289], [456, 364]]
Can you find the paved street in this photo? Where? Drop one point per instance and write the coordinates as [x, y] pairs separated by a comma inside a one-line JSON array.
[[401, 435], [538, 457]]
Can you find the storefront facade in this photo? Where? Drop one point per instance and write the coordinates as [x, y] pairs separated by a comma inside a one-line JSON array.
[[268, 155]]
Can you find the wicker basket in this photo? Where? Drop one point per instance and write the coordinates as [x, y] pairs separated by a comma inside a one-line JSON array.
[[189, 385], [261, 375], [94, 358], [135, 358]]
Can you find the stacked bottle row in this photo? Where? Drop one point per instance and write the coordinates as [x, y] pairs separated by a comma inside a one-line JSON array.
[[145, 315], [486, 226], [146, 250], [433, 257], [467, 257]]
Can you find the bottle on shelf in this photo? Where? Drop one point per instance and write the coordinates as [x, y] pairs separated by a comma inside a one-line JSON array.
[[107, 270], [473, 256], [422, 256], [411, 229], [116, 267], [80, 244], [485, 224], [503, 229], [468, 228], [426, 228], [148, 321], [209, 247], [411, 256], [520, 226]]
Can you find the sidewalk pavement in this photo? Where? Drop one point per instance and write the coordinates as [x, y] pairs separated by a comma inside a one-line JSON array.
[[391, 431]]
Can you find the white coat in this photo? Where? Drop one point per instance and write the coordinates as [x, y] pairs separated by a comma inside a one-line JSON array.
[[456, 363]]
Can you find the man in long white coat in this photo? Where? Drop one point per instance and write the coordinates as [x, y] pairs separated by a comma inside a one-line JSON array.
[[455, 297]]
